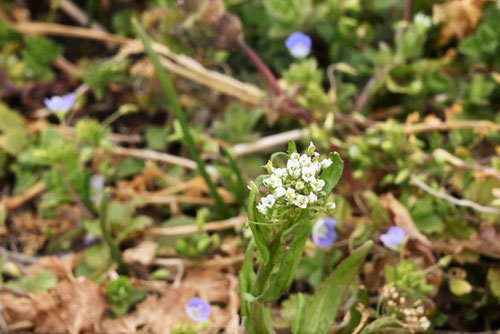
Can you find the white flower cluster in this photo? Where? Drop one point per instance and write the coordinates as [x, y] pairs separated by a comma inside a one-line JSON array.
[[413, 316], [422, 22], [296, 185]]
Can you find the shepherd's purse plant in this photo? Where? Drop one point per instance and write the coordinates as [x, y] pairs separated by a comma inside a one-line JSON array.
[[283, 206]]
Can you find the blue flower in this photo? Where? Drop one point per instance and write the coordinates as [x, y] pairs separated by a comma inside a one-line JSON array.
[[394, 236], [299, 44], [198, 309], [323, 233], [97, 184], [60, 103]]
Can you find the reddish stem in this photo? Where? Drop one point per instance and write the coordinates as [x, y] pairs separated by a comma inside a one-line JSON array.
[[408, 10], [261, 66]]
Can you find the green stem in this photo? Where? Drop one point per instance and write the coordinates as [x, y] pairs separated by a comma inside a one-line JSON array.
[[264, 270], [169, 90], [106, 234], [242, 189]]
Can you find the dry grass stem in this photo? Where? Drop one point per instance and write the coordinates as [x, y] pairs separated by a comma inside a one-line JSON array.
[[235, 222]]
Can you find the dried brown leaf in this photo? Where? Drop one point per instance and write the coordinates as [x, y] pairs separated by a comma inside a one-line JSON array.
[[402, 218], [158, 314], [72, 307], [459, 18], [144, 253]]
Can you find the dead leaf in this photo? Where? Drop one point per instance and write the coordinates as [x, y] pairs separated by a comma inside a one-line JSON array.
[[62, 267], [459, 18], [158, 314], [71, 307], [144, 253], [16, 309], [402, 218]]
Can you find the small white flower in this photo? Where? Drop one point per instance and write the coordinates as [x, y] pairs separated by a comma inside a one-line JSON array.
[[317, 185], [273, 182], [262, 208], [305, 161], [316, 154], [331, 206], [279, 172], [294, 156], [301, 201], [299, 185], [423, 21], [290, 194], [268, 201], [279, 192], [316, 167], [308, 174], [325, 163], [312, 198], [293, 166], [424, 322]]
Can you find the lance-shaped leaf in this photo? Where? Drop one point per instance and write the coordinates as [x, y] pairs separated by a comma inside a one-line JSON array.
[[332, 174], [321, 312]]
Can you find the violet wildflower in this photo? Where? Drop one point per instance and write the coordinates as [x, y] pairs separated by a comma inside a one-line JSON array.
[[323, 233], [60, 103], [88, 239], [394, 236], [97, 184], [198, 309], [299, 44]]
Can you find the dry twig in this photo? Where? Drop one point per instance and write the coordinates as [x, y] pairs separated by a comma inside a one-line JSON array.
[[452, 125], [457, 201], [235, 222], [459, 163]]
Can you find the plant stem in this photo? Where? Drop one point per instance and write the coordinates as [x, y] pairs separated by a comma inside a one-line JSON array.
[[408, 10], [106, 234], [261, 66], [241, 190], [265, 270], [169, 90]]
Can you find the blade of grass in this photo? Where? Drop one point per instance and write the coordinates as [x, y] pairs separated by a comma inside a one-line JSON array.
[[170, 93], [106, 234], [241, 192]]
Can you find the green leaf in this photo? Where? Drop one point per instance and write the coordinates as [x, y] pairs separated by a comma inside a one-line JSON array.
[[39, 53], [292, 148], [323, 308], [494, 280], [263, 319], [258, 231], [45, 280], [173, 101], [282, 278], [119, 289], [459, 286], [238, 124], [300, 311], [157, 137], [100, 75], [129, 167], [13, 136], [246, 277], [333, 173]]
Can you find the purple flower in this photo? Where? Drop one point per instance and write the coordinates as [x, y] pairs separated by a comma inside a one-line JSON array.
[[97, 188], [198, 309], [394, 236], [88, 239], [60, 103], [299, 44], [323, 233]]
